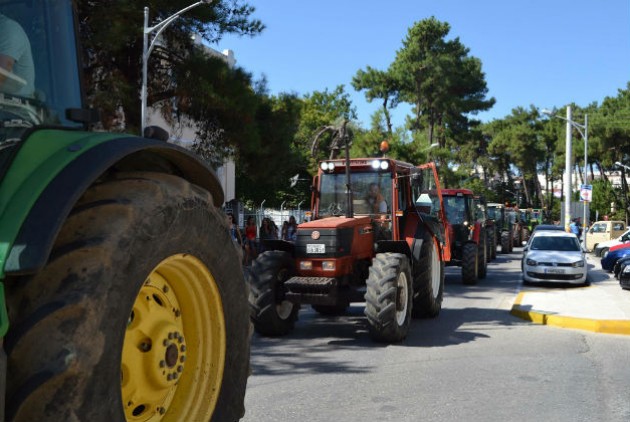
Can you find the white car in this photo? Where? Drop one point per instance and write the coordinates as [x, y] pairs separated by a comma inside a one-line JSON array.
[[554, 256], [602, 248]]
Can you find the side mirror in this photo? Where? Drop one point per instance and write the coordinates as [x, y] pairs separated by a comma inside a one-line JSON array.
[[525, 249]]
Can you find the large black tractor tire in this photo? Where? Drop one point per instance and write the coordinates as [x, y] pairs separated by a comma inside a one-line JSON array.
[[492, 242], [525, 235], [506, 242], [389, 297], [428, 283], [470, 264], [271, 313], [483, 259], [140, 313], [517, 237]]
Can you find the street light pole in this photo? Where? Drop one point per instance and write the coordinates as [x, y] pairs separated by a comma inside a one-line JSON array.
[[567, 175], [147, 48], [567, 190]]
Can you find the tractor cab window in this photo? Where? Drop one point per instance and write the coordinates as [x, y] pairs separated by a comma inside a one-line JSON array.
[[39, 74], [371, 193], [459, 209]]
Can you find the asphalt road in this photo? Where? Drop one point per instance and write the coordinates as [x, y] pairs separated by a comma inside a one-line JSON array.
[[474, 362]]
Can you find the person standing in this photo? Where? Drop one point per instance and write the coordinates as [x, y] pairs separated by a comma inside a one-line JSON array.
[[250, 240], [235, 235], [292, 230]]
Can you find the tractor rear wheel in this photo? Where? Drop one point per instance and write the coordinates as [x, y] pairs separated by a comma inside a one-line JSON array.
[[483, 259], [138, 315], [428, 286], [470, 263], [506, 242], [389, 297], [272, 314], [492, 245]]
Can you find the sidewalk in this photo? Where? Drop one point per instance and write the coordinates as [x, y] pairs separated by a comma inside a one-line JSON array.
[[602, 307]]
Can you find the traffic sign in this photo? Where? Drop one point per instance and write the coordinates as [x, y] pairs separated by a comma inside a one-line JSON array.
[[586, 193]]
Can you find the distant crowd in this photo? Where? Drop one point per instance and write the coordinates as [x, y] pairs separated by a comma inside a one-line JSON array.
[[251, 240]]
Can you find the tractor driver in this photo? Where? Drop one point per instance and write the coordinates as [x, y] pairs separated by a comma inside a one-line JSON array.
[[17, 71], [375, 199]]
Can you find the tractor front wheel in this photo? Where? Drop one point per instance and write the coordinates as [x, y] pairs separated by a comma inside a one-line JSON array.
[[506, 242], [389, 297], [272, 314], [428, 284], [138, 315], [470, 263]]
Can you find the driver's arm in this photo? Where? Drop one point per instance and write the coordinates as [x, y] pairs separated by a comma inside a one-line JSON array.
[[6, 62]]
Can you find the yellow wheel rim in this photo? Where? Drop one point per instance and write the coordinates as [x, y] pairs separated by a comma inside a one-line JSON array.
[[174, 351]]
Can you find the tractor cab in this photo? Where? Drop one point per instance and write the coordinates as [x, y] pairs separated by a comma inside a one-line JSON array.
[[42, 86]]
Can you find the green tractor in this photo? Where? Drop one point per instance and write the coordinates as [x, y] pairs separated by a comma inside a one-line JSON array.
[[119, 299], [502, 226]]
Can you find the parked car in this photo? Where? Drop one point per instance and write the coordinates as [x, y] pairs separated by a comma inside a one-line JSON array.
[[602, 248], [624, 277], [603, 231], [614, 254], [620, 266], [554, 256]]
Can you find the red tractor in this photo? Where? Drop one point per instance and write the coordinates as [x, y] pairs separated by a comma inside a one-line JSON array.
[[466, 233], [375, 237]]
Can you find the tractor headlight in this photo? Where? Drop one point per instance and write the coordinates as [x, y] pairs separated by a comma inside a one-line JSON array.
[[306, 265], [380, 165], [328, 265]]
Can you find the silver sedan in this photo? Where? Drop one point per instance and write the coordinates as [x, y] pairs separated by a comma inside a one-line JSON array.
[[554, 256]]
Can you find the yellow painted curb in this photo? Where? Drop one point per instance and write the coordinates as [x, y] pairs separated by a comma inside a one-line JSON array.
[[606, 326]]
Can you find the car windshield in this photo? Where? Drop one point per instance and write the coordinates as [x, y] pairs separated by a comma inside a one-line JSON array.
[[554, 243]]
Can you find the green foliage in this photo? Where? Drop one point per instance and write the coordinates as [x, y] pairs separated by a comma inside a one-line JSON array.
[[442, 82]]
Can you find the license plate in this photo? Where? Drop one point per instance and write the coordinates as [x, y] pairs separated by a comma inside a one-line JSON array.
[[318, 248], [554, 271]]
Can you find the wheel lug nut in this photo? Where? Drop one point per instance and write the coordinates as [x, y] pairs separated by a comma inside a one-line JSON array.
[[182, 359], [183, 348], [180, 368], [165, 289], [166, 342], [162, 364], [170, 336]]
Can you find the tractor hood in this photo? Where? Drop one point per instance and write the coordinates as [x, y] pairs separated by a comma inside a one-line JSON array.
[[336, 223]]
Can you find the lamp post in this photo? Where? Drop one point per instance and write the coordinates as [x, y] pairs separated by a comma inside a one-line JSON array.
[[147, 48], [583, 130]]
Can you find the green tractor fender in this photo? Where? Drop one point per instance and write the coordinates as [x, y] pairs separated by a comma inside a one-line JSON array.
[[52, 169]]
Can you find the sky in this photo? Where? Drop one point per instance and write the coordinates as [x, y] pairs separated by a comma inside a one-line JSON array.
[[546, 53]]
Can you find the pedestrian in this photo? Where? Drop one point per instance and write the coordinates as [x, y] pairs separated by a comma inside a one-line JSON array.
[[235, 235], [250, 240], [574, 228], [283, 235], [266, 233], [292, 229]]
